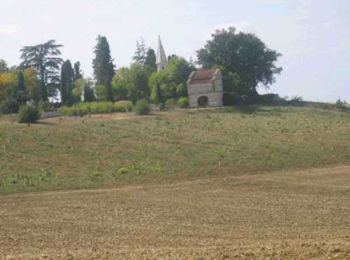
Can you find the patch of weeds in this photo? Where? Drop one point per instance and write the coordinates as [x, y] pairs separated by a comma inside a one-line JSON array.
[[44, 175], [20, 179], [120, 171]]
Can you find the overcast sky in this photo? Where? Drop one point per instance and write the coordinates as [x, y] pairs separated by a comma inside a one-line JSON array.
[[312, 35]]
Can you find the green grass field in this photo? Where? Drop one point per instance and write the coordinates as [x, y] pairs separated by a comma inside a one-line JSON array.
[[105, 151]]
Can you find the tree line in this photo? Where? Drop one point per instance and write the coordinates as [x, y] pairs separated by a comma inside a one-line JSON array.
[[245, 62]]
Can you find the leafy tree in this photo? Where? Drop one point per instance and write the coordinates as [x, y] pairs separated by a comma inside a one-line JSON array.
[[32, 83], [13, 91], [132, 83], [77, 72], [151, 59], [244, 54], [83, 90], [8, 80], [3, 66], [138, 85], [21, 94], [121, 84], [103, 68], [45, 59], [140, 55], [67, 79], [172, 80]]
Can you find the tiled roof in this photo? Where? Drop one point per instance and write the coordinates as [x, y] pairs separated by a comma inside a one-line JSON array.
[[203, 76]]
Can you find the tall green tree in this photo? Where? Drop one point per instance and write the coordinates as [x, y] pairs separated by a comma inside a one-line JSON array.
[[45, 59], [3, 66], [244, 54], [151, 59], [67, 79], [172, 80], [21, 94], [103, 67], [140, 55], [77, 71]]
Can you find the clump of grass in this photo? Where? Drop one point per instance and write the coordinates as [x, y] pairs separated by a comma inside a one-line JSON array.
[[82, 109], [142, 107], [183, 102]]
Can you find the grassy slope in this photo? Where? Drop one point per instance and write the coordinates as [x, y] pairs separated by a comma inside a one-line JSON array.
[[90, 152]]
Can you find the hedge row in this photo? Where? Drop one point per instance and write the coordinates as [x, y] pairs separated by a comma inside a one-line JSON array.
[[82, 109]]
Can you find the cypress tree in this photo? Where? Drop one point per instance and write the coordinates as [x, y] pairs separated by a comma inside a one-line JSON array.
[[21, 95], [77, 71], [67, 78], [103, 66]]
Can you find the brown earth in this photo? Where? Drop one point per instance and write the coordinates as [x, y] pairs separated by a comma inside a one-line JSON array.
[[278, 215]]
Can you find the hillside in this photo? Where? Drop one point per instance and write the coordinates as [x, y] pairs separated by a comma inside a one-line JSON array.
[[118, 149]]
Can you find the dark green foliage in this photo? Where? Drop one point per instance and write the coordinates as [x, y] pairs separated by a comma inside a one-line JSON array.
[[45, 106], [151, 59], [172, 80], [141, 107], [183, 102], [67, 78], [103, 67], [8, 106], [45, 59], [242, 54], [16, 95], [3, 66], [77, 72], [158, 99], [89, 94], [140, 55], [28, 114], [20, 95], [132, 83]]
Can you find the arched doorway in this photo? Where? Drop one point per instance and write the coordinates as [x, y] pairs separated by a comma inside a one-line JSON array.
[[203, 101]]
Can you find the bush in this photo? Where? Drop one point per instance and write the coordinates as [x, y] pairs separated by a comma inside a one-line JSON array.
[[82, 109], [183, 102], [45, 106], [170, 102], [9, 107], [141, 107], [28, 114], [340, 104]]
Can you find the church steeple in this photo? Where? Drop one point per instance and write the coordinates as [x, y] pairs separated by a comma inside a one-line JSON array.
[[161, 60]]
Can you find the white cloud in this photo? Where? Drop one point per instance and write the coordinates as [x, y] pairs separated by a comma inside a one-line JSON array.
[[8, 28]]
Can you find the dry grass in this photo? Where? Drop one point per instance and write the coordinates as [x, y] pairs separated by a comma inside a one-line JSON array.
[[279, 215], [117, 149]]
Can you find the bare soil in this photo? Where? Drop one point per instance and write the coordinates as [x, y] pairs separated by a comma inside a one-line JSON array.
[[300, 214]]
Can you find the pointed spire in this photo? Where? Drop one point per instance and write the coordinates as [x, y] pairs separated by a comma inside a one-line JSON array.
[[161, 60]]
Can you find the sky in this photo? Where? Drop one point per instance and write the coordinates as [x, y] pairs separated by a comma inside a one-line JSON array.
[[312, 35]]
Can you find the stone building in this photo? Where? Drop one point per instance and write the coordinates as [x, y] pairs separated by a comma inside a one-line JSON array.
[[205, 88]]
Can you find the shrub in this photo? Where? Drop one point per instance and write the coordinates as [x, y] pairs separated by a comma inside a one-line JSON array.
[[45, 106], [340, 104], [9, 107], [123, 106], [183, 102], [170, 102], [82, 109], [141, 107], [28, 114]]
